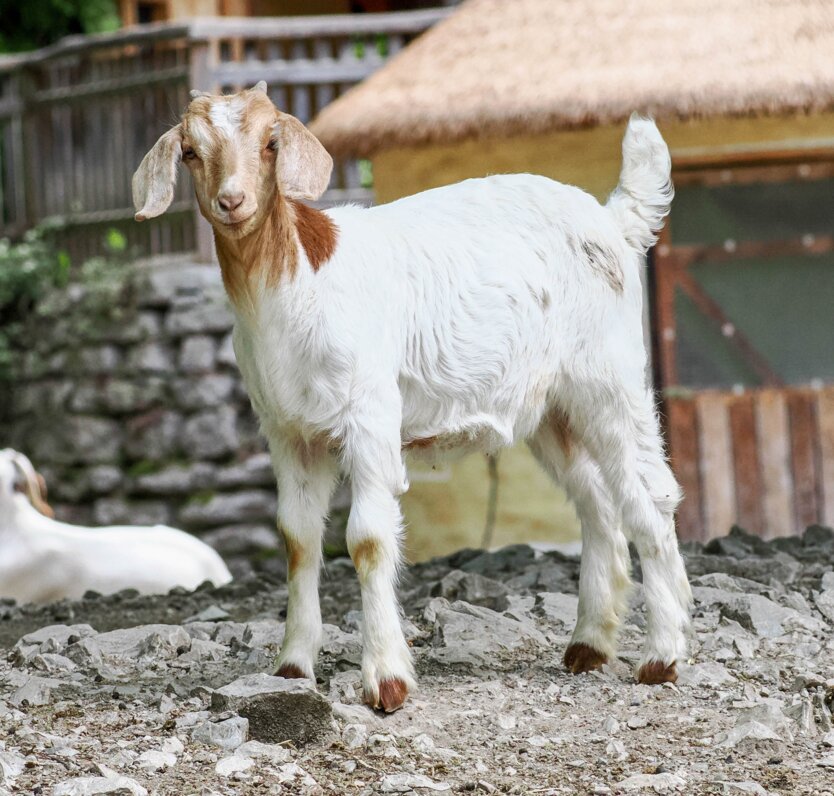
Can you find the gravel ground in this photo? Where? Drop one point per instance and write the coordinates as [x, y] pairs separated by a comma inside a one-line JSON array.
[[167, 695]]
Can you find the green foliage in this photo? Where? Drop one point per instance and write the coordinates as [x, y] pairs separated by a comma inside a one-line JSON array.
[[31, 269], [380, 44], [38, 23], [28, 269], [143, 467], [115, 242], [366, 173]]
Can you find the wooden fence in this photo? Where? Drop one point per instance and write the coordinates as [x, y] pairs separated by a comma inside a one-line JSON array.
[[762, 459], [76, 118]]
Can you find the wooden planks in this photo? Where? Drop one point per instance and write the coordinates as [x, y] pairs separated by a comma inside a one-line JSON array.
[[825, 421], [685, 461], [746, 465], [762, 459], [773, 435], [803, 465], [716, 464]]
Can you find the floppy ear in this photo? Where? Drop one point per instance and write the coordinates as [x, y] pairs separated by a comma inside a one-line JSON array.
[[302, 164], [35, 485], [153, 183]]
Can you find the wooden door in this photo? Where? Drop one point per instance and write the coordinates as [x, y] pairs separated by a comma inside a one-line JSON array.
[[743, 288]]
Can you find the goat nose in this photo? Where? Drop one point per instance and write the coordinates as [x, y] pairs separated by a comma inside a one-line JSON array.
[[231, 201]]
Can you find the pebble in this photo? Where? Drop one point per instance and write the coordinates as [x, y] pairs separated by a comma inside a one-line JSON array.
[[404, 783], [154, 760], [228, 734], [93, 786], [659, 783], [235, 764], [354, 736]]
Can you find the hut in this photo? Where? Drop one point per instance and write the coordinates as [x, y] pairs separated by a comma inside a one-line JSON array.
[[741, 284]]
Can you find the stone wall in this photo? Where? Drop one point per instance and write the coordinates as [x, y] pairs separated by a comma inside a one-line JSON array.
[[128, 400]]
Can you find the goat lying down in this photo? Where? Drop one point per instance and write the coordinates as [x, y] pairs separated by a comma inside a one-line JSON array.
[[467, 317], [43, 560]]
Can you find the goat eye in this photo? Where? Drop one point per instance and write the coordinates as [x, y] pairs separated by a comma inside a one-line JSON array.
[[272, 145], [188, 153]]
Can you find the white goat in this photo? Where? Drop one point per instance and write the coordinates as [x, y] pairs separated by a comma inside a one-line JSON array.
[[463, 318], [43, 560]]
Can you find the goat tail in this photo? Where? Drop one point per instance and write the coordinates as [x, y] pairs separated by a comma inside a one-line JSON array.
[[644, 194]]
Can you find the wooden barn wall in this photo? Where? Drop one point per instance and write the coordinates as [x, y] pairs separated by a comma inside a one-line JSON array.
[[763, 459]]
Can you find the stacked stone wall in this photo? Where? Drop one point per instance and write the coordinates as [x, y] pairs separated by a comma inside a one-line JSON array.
[[128, 399]]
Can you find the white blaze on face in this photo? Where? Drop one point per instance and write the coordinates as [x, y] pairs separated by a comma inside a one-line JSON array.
[[225, 115]]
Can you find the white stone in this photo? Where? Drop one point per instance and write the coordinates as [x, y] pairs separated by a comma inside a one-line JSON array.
[[233, 765], [92, 786], [355, 736], [173, 745], [273, 752], [659, 783], [228, 734], [404, 783], [154, 760]]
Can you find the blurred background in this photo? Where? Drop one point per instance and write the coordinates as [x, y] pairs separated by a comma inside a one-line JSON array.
[[116, 372]]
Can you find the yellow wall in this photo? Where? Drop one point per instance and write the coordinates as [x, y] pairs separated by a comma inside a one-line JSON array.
[[587, 158], [446, 509]]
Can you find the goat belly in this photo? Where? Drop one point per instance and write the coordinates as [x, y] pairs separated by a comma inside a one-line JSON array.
[[479, 432]]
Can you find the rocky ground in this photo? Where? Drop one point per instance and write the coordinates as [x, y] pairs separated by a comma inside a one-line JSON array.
[[172, 695]]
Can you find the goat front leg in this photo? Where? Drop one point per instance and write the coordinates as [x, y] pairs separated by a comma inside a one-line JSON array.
[[373, 538], [306, 476]]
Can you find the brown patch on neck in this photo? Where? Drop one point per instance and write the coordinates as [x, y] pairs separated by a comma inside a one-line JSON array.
[[260, 259], [316, 232]]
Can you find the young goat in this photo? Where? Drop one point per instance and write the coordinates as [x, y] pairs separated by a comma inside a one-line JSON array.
[[464, 318], [43, 560]]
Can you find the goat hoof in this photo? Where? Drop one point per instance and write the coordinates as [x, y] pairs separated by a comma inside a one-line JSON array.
[[657, 672], [391, 695], [583, 658], [291, 672]]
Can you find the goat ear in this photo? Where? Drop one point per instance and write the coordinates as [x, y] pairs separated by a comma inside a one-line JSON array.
[[34, 485], [302, 164], [153, 182]]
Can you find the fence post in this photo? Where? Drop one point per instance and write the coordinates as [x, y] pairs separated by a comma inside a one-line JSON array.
[[200, 77], [30, 161]]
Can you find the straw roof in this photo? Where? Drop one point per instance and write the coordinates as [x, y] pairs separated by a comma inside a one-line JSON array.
[[503, 67]]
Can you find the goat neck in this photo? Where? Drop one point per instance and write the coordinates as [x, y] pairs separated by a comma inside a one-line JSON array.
[[257, 262]]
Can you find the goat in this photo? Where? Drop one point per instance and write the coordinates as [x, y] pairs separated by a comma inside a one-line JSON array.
[[43, 560], [463, 318]]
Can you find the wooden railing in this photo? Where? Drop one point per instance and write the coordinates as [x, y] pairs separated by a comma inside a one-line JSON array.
[[76, 118]]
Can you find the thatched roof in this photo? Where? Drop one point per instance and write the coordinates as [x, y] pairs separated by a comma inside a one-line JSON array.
[[502, 67]]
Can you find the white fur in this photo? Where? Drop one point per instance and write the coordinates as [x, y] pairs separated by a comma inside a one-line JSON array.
[[226, 116], [43, 560], [468, 314]]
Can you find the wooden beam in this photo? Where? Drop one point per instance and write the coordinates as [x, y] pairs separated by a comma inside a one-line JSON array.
[[738, 340], [746, 464], [773, 436], [803, 434], [685, 456]]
